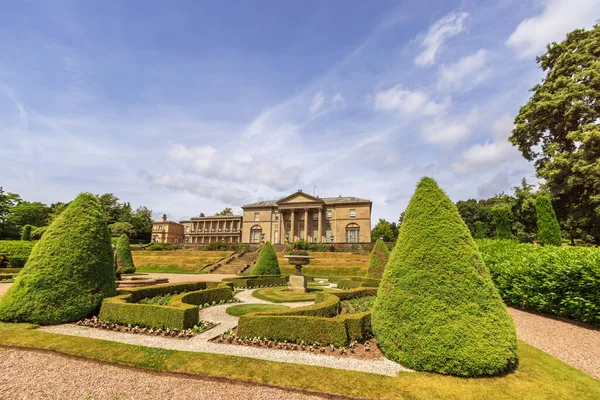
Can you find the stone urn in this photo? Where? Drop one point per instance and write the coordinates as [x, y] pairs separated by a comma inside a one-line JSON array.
[[298, 282]]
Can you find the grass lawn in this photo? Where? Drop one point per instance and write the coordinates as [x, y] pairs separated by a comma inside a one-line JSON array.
[[538, 376], [243, 309], [329, 264], [176, 261], [279, 294]]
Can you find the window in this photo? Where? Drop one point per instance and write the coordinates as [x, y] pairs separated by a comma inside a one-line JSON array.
[[302, 234], [328, 214], [155, 239], [328, 236], [255, 234], [256, 217], [352, 213], [316, 216], [176, 240], [187, 229], [315, 236], [276, 237], [276, 216], [160, 227], [352, 233], [187, 240]]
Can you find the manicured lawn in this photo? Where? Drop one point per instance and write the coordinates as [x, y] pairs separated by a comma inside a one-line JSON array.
[[243, 309], [280, 294], [538, 376], [176, 261], [330, 264]]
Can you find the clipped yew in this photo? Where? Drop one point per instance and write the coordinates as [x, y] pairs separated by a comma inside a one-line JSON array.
[[70, 269], [547, 224], [377, 260], [437, 309], [267, 263], [26, 232], [123, 256]]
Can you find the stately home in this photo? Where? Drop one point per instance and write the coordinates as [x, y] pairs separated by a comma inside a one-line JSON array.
[[297, 216]]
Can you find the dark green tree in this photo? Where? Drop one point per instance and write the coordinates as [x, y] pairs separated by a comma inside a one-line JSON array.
[[123, 256], [559, 129], [8, 230], [503, 221], [378, 260], [142, 223], [386, 230], [267, 263], [479, 230], [547, 224], [225, 211], [437, 309], [26, 232], [69, 272], [523, 210], [121, 228]]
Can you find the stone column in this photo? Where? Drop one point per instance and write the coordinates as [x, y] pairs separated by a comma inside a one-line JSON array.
[[306, 224], [292, 227], [320, 224], [280, 234]]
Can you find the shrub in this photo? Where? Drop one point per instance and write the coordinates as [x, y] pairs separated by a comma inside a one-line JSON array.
[[217, 246], [70, 269], [159, 247], [26, 232], [502, 214], [299, 244], [267, 263], [36, 234], [123, 256], [563, 281], [17, 251], [547, 224], [437, 309], [378, 260], [256, 281], [479, 230]]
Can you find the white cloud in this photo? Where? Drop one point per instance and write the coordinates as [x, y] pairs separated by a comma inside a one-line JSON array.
[[466, 72], [443, 29], [338, 99], [317, 102], [408, 102], [442, 131], [556, 19]]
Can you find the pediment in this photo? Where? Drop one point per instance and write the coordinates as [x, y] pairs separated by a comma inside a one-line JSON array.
[[299, 197]]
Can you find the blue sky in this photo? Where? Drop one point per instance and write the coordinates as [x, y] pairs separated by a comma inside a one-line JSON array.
[[190, 106]]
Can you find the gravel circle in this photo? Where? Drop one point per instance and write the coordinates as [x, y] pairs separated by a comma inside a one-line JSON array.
[[29, 374]]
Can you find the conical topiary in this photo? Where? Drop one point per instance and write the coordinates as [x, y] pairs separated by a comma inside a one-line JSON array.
[[547, 224], [378, 260], [267, 263], [69, 272], [437, 309], [26, 232], [123, 256]]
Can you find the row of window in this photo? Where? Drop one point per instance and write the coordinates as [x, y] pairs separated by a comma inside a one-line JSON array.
[[315, 216]]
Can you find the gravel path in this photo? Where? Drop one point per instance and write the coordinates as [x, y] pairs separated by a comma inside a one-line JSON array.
[[4, 287], [577, 345], [29, 374]]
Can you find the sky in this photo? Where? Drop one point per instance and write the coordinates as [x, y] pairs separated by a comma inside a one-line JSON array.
[[193, 106]]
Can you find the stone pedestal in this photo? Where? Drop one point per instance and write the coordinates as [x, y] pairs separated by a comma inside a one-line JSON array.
[[298, 283]]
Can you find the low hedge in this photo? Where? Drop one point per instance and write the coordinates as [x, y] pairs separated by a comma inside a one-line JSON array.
[[251, 281], [181, 313], [317, 323], [17, 252]]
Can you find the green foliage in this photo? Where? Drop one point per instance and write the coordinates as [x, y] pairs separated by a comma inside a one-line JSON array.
[[121, 228], [563, 281], [161, 299], [435, 290], [243, 309], [547, 224], [378, 260], [299, 244], [26, 232], [503, 220], [472, 210], [250, 281], [123, 256], [479, 230], [267, 263], [37, 233], [388, 231], [159, 247], [69, 272], [226, 211], [358, 305], [17, 251], [559, 130]]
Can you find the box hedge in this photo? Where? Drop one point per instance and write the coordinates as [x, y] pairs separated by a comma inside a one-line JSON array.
[[17, 251], [252, 281], [437, 309], [378, 260], [356, 282]]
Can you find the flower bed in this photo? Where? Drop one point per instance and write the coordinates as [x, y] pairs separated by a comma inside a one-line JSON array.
[[202, 326]]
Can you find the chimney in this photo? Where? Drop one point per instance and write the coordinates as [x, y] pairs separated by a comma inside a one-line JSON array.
[[164, 217], [300, 190], [201, 214]]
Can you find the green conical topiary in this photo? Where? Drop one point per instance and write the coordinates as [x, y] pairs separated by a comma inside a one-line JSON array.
[[479, 230], [26, 232], [502, 214], [378, 260], [69, 272], [437, 309], [267, 263], [547, 224], [123, 256]]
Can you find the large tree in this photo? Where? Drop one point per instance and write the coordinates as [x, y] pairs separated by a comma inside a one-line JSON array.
[[559, 129], [386, 230]]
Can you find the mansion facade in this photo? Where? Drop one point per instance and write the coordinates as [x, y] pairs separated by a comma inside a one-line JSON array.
[[297, 216]]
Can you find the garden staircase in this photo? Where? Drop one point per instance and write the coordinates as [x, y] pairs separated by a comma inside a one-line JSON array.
[[235, 264]]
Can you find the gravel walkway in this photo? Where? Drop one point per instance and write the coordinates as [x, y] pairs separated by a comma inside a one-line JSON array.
[[29, 374], [577, 345], [200, 343]]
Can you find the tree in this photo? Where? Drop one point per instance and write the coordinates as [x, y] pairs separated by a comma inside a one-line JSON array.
[[123, 257], [523, 210], [437, 309], [378, 260], [479, 230], [267, 263], [559, 129], [69, 272], [30, 213], [469, 211], [224, 212], [503, 220], [121, 228], [547, 224], [26, 232], [142, 223], [7, 202], [386, 230]]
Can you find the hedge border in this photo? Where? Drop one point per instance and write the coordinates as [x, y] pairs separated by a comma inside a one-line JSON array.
[[252, 281]]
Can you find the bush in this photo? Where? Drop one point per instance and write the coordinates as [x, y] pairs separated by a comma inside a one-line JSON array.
[[547, 224], [267, 263], [378, 260], [563, 281], [123, 256], [218, 246], [26, 232], [299, 245], [159, 247], [37, 233], [437, 309], [479, 234], [70, 269], [17, 251], [502, 214], [257, 281]]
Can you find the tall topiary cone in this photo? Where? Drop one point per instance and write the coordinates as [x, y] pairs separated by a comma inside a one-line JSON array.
[[437, 309], [378, 260], [26, 232], [70, 269], [547, 224], [267, 263], [123, 256]]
